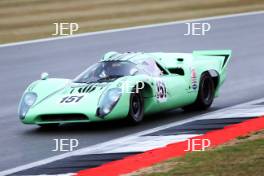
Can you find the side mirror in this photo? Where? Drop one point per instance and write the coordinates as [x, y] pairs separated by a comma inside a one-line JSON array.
[[44, 76]]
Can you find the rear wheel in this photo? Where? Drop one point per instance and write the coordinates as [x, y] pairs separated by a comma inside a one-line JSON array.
[[206, 94], [136, 107]]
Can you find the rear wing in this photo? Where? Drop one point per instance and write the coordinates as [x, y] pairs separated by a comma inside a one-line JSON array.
[[224, 55]]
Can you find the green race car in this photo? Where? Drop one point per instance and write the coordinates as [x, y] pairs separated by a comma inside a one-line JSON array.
[[127, 85]]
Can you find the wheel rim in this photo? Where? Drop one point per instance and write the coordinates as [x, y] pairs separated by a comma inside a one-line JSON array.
[[136, 106]]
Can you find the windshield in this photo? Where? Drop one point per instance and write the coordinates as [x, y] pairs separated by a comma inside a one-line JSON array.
[[107, 71]]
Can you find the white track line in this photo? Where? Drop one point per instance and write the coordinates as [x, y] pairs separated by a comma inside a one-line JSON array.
[[145, 143], [98, 147], [131, 28]]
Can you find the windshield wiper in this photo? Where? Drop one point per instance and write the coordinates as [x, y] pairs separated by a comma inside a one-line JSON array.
[[100, 80], [109, 78], [86, 82]]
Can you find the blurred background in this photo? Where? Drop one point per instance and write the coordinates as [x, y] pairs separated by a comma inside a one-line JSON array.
[[33, 19]]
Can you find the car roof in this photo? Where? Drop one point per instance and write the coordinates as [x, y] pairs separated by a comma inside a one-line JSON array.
[[135, 57]]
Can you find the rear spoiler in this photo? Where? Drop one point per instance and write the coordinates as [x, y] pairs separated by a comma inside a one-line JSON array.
[[225, 54]]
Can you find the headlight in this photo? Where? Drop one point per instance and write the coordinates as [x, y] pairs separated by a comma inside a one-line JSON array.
[[108, 101], [105, 110], [26, 102], [114, 94], [30, 98]]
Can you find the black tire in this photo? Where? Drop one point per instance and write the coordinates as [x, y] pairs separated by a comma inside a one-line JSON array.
[[49, 126], [136, 108], [206, 94]]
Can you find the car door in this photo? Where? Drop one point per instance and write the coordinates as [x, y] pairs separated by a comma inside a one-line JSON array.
[[172, 91]]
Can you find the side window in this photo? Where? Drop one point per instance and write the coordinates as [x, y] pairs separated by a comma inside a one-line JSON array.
[[162, 70], [151, 67]]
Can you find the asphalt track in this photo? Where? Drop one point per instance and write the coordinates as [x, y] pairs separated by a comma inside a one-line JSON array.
[[21, 64]]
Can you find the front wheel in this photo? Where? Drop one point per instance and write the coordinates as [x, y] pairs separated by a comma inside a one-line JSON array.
[[136, 107], [206, 94]]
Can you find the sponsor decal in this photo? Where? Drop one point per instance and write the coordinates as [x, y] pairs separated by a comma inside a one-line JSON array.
[[194, 79], [161, 91]]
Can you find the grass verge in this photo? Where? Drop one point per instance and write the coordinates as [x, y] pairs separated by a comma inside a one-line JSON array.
[[33, 19], [243, 156]]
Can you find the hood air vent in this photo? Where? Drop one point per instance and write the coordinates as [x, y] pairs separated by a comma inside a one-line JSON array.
[[87, 89]]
